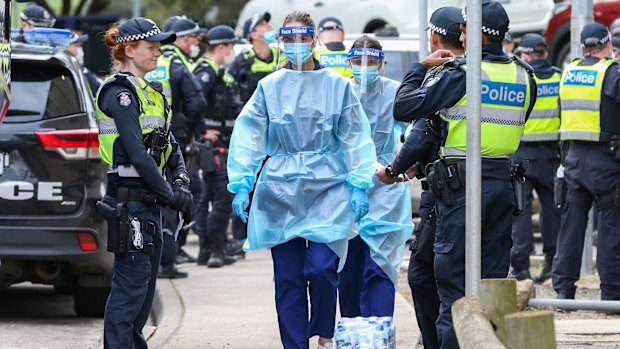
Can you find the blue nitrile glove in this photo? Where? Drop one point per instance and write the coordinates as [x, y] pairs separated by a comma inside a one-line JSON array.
[[359, 203], [240, 204]]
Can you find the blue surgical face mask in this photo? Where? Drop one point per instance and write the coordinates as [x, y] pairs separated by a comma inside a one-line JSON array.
[[372, 74], [303, 51], [269, 37]]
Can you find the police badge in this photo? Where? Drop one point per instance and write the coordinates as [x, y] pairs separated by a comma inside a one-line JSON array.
[[124, 99]]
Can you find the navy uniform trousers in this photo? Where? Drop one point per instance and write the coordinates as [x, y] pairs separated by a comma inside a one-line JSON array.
[[364, 288], [213, 224], [543, 163], [303, 268], [133, 285], [498, 204], [591, 172], [421, 278]]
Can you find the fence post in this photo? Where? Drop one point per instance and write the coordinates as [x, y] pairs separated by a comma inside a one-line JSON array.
[[531, 330]]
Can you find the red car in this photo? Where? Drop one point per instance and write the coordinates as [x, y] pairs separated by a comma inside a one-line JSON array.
[[558, 31]]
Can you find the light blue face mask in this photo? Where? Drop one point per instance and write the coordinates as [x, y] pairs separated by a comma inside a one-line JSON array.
[[269, 37], [298, 52], [372, 74]]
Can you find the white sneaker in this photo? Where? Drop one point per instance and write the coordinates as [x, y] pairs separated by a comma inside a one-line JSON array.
[[329, 345]]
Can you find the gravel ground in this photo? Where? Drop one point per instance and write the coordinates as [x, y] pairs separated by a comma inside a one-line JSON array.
[[587, 288]]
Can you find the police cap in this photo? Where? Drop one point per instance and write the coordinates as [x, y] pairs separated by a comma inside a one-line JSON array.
[[443, 19], [167, 26], [508, 37], [221, 34], [330, 23], [532, 42], [594, 34], [615, 43], [495, 20], [184, 27], [37, 16], [252, 22], [141, 28]]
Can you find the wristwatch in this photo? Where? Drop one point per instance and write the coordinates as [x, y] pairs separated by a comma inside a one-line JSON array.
[[390, 172], [182, 177]]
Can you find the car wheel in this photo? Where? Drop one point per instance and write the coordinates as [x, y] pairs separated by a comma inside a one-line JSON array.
[[90, 301]]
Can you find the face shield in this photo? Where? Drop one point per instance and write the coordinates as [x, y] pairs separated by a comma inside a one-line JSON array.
[[297, 43], [366, 64]]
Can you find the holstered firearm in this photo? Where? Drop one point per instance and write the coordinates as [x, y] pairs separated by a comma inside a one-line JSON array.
[[125, 233], [445, 180], [157, 143], [118, 226], [518, 185]]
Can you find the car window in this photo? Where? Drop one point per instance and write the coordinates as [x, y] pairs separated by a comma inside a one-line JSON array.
[[40, 92], [396, 63]]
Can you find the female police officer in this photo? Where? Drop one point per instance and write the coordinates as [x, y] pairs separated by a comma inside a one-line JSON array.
[[136, 144], [313, 128]]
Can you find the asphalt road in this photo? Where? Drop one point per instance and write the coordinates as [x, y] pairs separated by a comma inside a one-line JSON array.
[[34, 316]]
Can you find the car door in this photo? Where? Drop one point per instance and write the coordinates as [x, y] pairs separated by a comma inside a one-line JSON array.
[[528, 15], [45, 142]]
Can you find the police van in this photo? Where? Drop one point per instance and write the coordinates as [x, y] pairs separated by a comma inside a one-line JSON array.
[[50, 179]]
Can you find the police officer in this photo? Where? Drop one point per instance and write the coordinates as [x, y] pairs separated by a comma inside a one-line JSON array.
[[183, 92], [503, 120], [420, 148], [76, 48], [223, 106], [332, 53], [590, 105], [36, 16], [261, 60], [539, 154], [136, 143], [248, 68]]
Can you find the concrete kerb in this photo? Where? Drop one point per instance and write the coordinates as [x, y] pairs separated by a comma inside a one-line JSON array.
[[167, 313]]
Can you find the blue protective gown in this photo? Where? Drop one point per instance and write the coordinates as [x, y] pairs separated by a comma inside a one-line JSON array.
[[316, 134], [387, 226]]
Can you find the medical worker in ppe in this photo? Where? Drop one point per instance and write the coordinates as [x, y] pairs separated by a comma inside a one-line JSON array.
[[312, 188], [368, 281]]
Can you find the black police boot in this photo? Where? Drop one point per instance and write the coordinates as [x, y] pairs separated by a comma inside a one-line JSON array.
[[565, 295], [216, 260], [184, 257], [204, 252], [520, 274], [170, 272], [545, 274], [235, 247]]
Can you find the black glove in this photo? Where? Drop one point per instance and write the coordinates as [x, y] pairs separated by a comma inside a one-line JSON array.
[[183, 198]]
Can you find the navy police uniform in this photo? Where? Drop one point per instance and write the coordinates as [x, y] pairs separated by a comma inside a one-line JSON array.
[[498, 201], [420, 148], [121, 110], [188, 106], [592, 170], [540, 148], [223, 106]]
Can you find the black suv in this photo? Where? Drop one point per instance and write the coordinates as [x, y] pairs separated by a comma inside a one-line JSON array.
[[51, 175]]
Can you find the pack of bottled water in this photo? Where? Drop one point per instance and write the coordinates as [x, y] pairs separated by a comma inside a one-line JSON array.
[[365, 333]]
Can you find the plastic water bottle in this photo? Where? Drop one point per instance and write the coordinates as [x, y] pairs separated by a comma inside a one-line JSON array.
[[343, 339], [380, 338], [364, 340]]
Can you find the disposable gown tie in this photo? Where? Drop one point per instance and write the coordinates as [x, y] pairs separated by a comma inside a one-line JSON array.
[[317, 137], [387, 226]]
